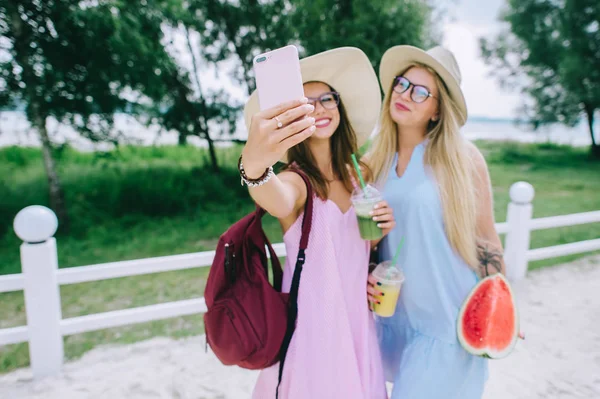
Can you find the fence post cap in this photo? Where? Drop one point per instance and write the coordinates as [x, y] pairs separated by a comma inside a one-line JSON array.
[[35, 224], [521, 192]]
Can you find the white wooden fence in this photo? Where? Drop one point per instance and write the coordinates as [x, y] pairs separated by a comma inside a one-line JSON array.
[[41, 278]]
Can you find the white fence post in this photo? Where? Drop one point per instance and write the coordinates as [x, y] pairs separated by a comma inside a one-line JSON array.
[[517, 239], [36, 226]]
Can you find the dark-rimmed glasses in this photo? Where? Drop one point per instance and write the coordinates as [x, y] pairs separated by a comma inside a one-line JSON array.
[[418, 94], [329, 100]]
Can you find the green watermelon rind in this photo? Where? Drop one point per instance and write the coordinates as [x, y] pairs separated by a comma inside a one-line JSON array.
[[486, 352]]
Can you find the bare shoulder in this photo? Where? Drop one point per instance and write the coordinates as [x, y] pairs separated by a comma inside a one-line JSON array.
[[291, 177], [296, 181]]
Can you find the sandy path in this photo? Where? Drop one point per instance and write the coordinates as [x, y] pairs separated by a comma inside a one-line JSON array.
[[560, 358]]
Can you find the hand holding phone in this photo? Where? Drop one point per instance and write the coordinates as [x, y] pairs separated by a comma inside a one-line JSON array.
[[281, 122], [268, 143], [278, 77]]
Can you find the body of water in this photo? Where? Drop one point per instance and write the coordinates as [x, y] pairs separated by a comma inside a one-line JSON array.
[[16, 130]]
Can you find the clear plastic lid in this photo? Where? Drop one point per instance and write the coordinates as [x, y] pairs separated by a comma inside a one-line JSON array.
[[369, 195], [386, 271]]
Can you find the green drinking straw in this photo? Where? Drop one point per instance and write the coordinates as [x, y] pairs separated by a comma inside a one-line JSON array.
[[360, 176], [397, 255]]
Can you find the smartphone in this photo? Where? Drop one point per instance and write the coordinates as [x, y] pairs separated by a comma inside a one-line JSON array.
[[278, 76]]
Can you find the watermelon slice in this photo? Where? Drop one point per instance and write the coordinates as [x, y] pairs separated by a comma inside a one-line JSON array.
[[488, 322]]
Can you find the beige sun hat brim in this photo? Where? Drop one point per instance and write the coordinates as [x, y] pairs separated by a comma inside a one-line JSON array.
[[349, 72], [398, 58]]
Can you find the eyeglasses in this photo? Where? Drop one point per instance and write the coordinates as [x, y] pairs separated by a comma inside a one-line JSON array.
[[418, 94], [329, 100]]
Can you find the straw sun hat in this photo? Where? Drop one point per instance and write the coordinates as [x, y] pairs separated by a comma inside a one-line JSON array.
[[348, 71], [396, 59]]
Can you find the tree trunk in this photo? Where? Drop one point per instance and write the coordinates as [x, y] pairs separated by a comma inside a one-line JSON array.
[[196, 80], [201, 127], [595, 149], [55, 191], [36, 116], [182, 139], [212, 153]]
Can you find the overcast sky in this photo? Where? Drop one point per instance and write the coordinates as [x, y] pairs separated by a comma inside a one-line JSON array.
[[471, 19]]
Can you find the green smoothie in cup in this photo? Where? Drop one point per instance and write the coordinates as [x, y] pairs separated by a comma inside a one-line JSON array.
[[364, 201]]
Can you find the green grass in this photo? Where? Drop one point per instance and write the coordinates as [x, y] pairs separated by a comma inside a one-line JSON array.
[[566, 181], [144, 202]]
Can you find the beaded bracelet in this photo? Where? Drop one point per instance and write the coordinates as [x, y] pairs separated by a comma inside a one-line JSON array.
[[254, 182]]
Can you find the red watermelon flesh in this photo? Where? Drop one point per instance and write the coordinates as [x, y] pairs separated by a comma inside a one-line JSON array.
[[488, 322]]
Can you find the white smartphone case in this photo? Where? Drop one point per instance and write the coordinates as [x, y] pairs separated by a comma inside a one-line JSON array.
[[278, 77]]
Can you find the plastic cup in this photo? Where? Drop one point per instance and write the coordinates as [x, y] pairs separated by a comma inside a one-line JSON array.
[[364, 201], [390, 277]]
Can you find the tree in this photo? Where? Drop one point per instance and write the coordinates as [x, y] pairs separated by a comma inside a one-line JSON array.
[[192, 109], [243, 30], [246, 28], [373, 26], [551, 52], [80, 62]]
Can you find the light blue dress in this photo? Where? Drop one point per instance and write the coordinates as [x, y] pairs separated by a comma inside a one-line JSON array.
[[420, 350]]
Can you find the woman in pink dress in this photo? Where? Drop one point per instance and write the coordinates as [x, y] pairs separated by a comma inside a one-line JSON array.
[[334, 351]]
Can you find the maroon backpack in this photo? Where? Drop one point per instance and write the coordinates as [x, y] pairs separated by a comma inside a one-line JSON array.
[[250, 323]]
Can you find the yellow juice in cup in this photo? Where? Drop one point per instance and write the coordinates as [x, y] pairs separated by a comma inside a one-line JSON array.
[[391, 278], [387, 305]]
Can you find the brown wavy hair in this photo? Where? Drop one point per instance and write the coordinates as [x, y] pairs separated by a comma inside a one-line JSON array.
[[343, 144]]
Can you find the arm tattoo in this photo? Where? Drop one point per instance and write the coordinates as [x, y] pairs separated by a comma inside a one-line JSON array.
[[489, 259]]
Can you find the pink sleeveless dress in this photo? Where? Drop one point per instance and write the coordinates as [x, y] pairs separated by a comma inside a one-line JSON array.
[[334, 352]]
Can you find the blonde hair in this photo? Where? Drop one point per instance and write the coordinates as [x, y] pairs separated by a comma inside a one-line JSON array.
[[450, 159]]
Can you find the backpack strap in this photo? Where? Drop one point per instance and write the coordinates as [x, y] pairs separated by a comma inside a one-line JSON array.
[[293, 298]]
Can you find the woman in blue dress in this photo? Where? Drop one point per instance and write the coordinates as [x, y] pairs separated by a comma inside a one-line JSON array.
[[439, 188]]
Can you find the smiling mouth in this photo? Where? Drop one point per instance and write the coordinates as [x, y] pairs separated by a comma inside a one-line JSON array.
[[321, 123]]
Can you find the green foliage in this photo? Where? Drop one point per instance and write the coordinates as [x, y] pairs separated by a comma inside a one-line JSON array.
[[81, 62], [129, 184], [373, 26], [550, 51], [243, 29], [73, 61], [247, 27]]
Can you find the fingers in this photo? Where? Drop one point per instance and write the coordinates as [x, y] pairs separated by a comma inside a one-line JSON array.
[[381, 204], [385, 222], [372, 292], [281, 108], [386, 227], [381, 211], [372, 280], [383, 215], [299, 137], [296, 133], [386, 217], [293, 114], [381, 208], [373, 299], [292, 129]]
